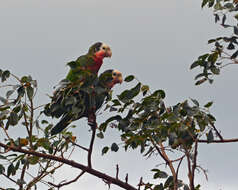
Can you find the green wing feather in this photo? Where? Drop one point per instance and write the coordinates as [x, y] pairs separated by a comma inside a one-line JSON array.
[[78, 66]]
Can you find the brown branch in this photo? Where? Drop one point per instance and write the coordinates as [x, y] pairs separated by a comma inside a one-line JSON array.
[[219, 141], [26, 124], [163, 154], [218, 134], [140, 183], [9, 178], [126, 178], [90, 150], [194, 166], [170, 165], [117, 171], [67, 183], [82, 147], [179, 164], [23, 175], [190, 175], [31, 121], [204, 172], [73, 164]]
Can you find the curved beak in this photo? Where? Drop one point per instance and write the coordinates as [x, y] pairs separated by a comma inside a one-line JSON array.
[[120, 79], [108, 52]]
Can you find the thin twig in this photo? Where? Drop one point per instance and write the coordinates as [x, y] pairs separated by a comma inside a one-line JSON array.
[[82, 147], [218, 134], [90, 150], [9, 178], [219, 141], [117, 171], [67, 183]]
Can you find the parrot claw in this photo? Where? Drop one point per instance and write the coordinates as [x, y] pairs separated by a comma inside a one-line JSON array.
[[92, 120], [93, 125]]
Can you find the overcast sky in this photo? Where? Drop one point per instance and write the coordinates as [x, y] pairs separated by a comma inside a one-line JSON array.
[[154, 40]]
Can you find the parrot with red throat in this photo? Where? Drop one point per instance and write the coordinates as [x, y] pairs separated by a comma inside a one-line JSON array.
[[90, 62], [105, 83], [84, 71]]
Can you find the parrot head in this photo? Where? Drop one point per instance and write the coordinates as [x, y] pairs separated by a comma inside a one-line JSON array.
[[100, 50], [111, 77]]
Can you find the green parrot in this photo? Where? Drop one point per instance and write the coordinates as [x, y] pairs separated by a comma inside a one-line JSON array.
[[81, 108], [89, 63], [84, 70]]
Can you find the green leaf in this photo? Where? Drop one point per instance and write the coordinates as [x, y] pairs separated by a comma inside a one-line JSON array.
[[30, 92], [21, 91], [186, 187], [100, 135], [211, 117], [211, 3], [34, 83], [21, 182], [195, 64], [127, 95], [25, 79], [160, 174], [235, 30], [145, 88], [159, 187], [231, 46], [105, 150], [209, 104], [116, 102], [234, 55], [168, 182], [44, 122], [195, 102], [3, 100], [210, 136], [215, 70], [13, 118], [161, 93], [5, 75], [2, 169], [217, 18], [200, 81], [218, 6], [229, 5], [11, 170], [9, 93], [114, 147], [236, 16], [223, 19], [213, 57], [204, 2], [129, 78], [33, 160], [2, 157], [203, 57]]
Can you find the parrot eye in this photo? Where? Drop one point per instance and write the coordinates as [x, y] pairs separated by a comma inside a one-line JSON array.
[[114, 74], [103, 48]]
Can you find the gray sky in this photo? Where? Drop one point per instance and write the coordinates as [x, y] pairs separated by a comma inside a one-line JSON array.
[[154, 40]]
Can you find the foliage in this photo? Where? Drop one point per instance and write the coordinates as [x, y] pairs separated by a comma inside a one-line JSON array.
[[225, 49], [18, 110], [140, 115]]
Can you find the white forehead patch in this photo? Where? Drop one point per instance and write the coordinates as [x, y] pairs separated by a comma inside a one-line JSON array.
[[116, 72], [105, 46]]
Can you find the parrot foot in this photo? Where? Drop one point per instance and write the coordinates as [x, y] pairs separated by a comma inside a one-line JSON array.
[[92, 119]]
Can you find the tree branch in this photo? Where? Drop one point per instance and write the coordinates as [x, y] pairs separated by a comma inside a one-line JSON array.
[[67, 183], [73, 164], [219, 141], [90, 150]]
